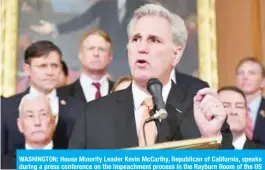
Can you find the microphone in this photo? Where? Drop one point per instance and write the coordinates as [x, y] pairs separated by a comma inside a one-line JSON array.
[[154, 87]]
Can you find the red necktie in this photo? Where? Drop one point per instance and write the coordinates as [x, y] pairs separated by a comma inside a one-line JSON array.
[[97, 85], [249, 127]]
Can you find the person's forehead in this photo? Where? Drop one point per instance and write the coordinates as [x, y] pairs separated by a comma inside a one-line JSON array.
[[94, 38], [250, 65], [154, 25], [50, 57], [231, 96]]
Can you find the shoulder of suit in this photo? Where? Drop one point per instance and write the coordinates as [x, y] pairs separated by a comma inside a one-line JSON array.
[[71, 100], [190, 79], [10, 104], [14, 98], [253, 145], [68, 88], [262, 105]]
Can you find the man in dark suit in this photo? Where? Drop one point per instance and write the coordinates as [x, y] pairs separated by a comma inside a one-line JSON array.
[[43, 65], [113, 17], [250, 75], [188, 83], [156, 42], [95, 56], [235, 104], [37, 124]]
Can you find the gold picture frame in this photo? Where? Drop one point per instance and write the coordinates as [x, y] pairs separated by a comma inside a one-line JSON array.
[[9, 40]]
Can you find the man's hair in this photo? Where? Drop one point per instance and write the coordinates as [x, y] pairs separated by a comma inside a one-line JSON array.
[[121, 80], [101, 33], [39, 49], [31, 97], [234, 89], [254, 60], [64, 68], [178, 27]]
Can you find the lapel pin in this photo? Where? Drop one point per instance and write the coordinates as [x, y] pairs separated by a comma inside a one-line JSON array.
[[178, 110], [262, 113], [63, 102]]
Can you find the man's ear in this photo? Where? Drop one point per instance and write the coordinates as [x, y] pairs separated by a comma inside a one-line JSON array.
[[26, 68], [53, 119], [110, 56], [80, 55], [19, 125], [262, 85], [178, 51]]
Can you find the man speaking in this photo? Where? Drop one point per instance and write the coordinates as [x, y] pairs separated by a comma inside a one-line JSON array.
[[157, 39]]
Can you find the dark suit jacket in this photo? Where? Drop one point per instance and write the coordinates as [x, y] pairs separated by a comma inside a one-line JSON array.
[[12, 139], [259, 133], [253, 145], [109, 122], [189, 83], [75, 90], [8, 161]]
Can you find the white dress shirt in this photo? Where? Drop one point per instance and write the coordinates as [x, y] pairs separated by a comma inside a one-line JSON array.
[[90, 90], [254, 108], [240, 141], [49, 146], [173, 76], [139, 96], [53, 99]]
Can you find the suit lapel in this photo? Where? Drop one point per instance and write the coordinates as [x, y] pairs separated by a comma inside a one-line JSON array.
[[125, 117], [111, 83], [260, 116], [261, 112], [260, 123], [176, 99], [168, 129], [183, 104], [178, 81], [61, 134], [78, 91]]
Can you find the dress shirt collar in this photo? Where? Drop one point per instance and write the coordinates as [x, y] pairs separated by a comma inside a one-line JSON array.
[[139, 96], [85, 80], [52, 95], [49, 146], [240, 141]]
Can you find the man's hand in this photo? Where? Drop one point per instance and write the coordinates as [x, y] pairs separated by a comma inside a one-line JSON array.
[[43, 28], [209, 112]]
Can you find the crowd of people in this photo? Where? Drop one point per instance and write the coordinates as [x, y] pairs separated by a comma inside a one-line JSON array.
[[95, 112]]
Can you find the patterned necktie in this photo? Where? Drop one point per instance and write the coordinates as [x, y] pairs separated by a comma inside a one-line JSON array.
[[150, 128], [249, 127], [97, 85]]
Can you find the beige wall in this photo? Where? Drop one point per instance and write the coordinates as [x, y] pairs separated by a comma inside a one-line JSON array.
[[239, 34], [262, 25]]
